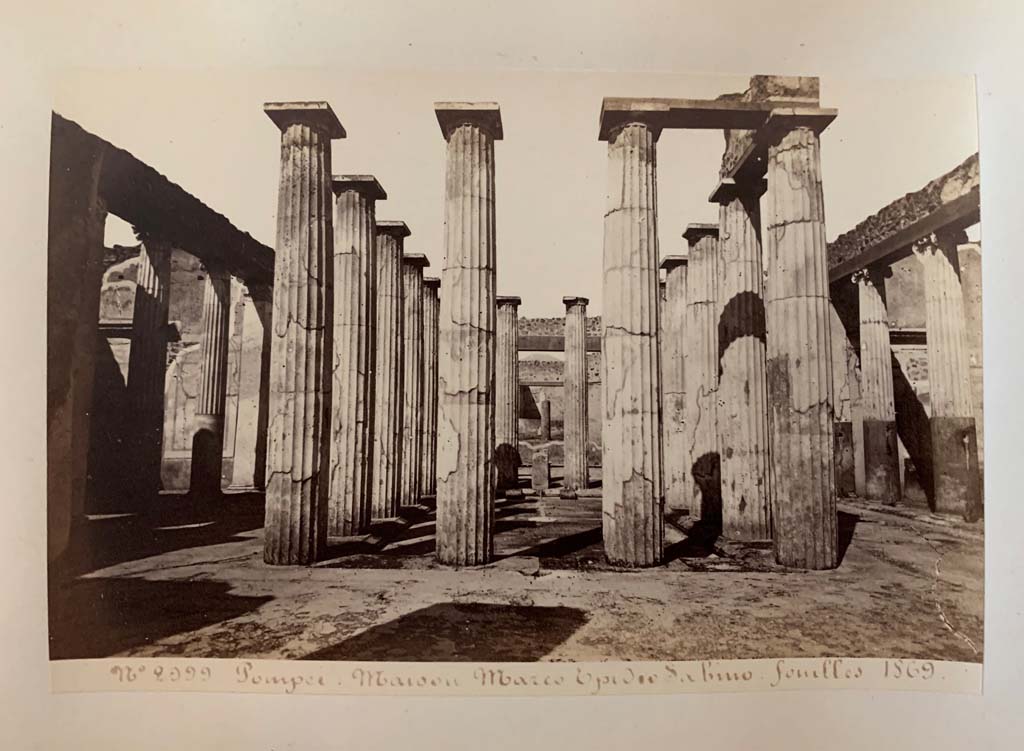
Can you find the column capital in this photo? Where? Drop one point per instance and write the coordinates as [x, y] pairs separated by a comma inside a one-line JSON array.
[[394, 228], [670, 262], [694, 233], [484, 115], [570, 302], [365, 185], [431, 282], [784, 119], [944, 238], [317, 115], [416, 260], [508, 300], [728, 189], [873, 275], [651, 122]]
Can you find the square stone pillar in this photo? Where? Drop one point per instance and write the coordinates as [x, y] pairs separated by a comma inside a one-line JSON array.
[[300, 358], [742, 411], [701, 366], [431, 308], [575, 402], [678, 496], [355, 321], [954, 434], [506, 393], [208, 435], [466, 337], [633, 491], [799, 353], [389, 380], [881, 452], [412, 391]]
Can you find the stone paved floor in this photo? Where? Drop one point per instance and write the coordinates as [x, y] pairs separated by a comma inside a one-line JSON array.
[[189, 581]]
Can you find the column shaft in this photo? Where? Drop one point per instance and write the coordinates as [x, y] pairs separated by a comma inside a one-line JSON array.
[[208, 438], [300, 358], [431, 303], [676, 446], [545, 420], [802, 479], [742, 391], [633, 495], [466, 344], [412, 391], [506, 392], [881, 457], [575, 402]]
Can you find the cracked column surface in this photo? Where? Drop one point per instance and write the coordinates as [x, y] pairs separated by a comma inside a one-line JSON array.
[[742, 413], [355, 319], [208, 438], [673, 385], [701, 366], [300, 356], [386, 476], [412, 389], [574, 389], [954, 434], [428, 463], [147, 361], [506, 392], [799, 354], [881, 457], [466, 337], [633, 494]]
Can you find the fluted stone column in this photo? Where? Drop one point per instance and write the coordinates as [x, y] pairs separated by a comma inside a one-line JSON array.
[[298, 441], [466, 337], [742, 412], [633, 493], [431, 306], [954, 434], [389, 379], [574, 388], [248, 469], [506, 392], [354, 348], [701, 366], [412, 390], [678, 495], [208, 438], [881, 452], [799, 360], [147, 362], [544, 432]]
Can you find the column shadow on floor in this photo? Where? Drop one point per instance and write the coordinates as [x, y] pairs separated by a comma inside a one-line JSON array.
[[462, 632]]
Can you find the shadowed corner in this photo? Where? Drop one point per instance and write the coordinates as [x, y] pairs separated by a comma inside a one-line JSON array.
[[846, 523], [507, 460], [707, 476], [206, 464], [462, 632]]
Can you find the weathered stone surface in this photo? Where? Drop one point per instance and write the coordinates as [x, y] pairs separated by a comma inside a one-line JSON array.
[[388, 370], [355, 318], [248, 406], [412, 379], [540, 471], [633, 494], [881, 456], [678, 496], [742, 410], [300, 357], [969, 255], [506, 392], [576, 474], [954, 435], [466, 338], [799, 355], [701, 367], [208, 436], [431, 309], [544, 433]]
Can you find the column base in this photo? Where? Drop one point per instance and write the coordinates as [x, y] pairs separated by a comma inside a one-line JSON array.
[[955, 467], [881, 462]]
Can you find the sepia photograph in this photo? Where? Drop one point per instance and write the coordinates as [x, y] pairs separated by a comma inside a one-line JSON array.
[[530, 367]]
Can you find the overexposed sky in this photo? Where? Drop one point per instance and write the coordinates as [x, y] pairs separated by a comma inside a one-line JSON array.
[[207, 132]]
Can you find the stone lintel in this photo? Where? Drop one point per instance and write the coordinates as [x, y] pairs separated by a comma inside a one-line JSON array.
[[728, 189], [568, 302], [431, 282], [508, 300], [315, 114], [486, 115], [670, 262], [695, 232], [415, 259], [393, 228], [752, 164], [710, 114], [365, 184]]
